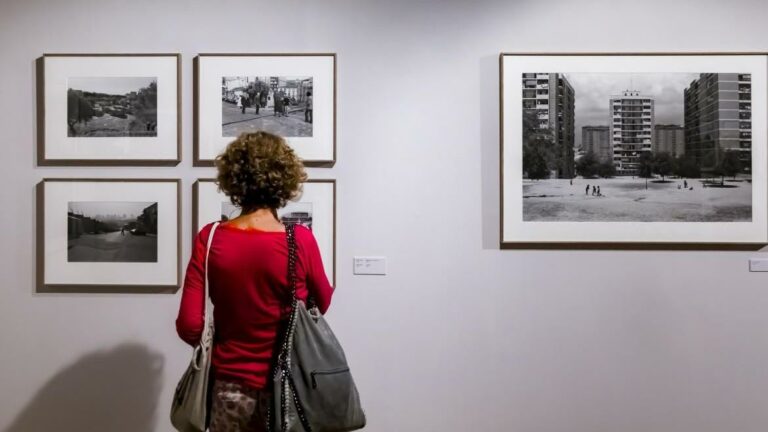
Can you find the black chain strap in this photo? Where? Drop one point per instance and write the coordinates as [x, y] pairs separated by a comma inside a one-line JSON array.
[[283, 367]]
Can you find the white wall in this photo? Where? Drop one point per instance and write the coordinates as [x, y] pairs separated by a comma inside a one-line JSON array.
[[460, 335]]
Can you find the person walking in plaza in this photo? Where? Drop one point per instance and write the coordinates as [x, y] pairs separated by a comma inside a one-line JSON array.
[[308, 108], [586, 192], [248, 283], [278, 104], [598, 191], [257, 102]]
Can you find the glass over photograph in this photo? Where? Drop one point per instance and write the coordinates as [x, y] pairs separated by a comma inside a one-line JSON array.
[[281, 105], [111, 231], [112, 107], [637, 147]]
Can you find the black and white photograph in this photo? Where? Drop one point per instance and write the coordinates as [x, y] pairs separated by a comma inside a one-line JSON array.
[[108, 109], [638, 147], [288, 94], [296, 213], [635, 150], [112, 231], [292, 213], [282, 105], [119, 235], [112, 107]]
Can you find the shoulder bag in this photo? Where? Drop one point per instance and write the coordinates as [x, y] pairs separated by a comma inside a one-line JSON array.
[[313, 390], [190, 407]]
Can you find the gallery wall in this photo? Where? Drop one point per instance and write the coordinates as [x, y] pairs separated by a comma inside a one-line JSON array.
[[459, 335]]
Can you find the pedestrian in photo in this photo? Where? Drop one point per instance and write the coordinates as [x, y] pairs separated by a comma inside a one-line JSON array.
[[257, 102], [248, 278], [308, 108], [586, 192], [598, 191], [685, 184], [240, 105], [122, 230], [278, 104], [594, 190]]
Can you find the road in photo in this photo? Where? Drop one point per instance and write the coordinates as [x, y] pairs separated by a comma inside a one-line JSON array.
[[280, 105], [112, 231], [637, 147], [112, 107]]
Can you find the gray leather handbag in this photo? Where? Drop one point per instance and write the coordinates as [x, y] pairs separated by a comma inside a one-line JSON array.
[[313, 390], [190, 406]]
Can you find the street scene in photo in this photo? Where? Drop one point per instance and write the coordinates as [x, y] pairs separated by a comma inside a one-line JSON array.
[[292, 213], [283, 105], [111, 231], [637, 147], [112, 107], [296, 213]]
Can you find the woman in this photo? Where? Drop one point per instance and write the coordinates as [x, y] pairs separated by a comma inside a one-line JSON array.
[[248, 280]]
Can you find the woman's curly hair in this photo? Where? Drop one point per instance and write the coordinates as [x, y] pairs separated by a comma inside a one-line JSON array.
[[259, 170]]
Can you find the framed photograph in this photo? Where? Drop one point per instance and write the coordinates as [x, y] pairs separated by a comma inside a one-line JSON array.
[[634, 151], [108, 235], [109, 109], [291, 95], [315, 209]]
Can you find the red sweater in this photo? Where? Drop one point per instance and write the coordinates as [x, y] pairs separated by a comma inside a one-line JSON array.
[[248, 282]]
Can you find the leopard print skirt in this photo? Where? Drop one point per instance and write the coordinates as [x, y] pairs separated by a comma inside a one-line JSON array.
[[237, 408]]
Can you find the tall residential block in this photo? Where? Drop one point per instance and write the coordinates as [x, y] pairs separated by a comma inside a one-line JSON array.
[[718, 118], [669, 138], [595, 139], [631, 130], [550, 98]]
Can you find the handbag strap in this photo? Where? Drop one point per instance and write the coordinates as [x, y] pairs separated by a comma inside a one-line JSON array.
[[208, 304]]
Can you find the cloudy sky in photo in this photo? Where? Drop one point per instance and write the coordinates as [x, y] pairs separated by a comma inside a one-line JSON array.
[[108, 208], [110, 85], [594, 90]]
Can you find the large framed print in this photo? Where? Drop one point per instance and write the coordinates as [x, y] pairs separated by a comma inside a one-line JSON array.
[[108, 235], [634, 151], [291, 95], [315, 209], [109, 109]]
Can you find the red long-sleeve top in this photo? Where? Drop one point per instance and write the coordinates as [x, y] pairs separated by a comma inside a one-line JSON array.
[[248, 283]]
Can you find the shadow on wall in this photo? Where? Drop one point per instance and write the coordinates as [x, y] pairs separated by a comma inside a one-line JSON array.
[[115, 391]]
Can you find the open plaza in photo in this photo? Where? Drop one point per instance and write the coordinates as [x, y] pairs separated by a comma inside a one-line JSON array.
[[637, 147], [626, 199]]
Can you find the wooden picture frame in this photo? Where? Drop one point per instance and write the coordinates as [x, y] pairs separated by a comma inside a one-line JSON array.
[[262, 76], [132, 105], [129, 245], [551, 213]]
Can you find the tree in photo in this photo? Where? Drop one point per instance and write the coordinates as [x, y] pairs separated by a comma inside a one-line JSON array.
[[144, 104], [663, 164], [729, 165], [539, 155], [79, 110], [645, 166], [259, 88], [588, 166], [686, 166], [606, 169]]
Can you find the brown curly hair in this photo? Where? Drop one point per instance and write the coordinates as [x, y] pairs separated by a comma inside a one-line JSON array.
[[259, 170]]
